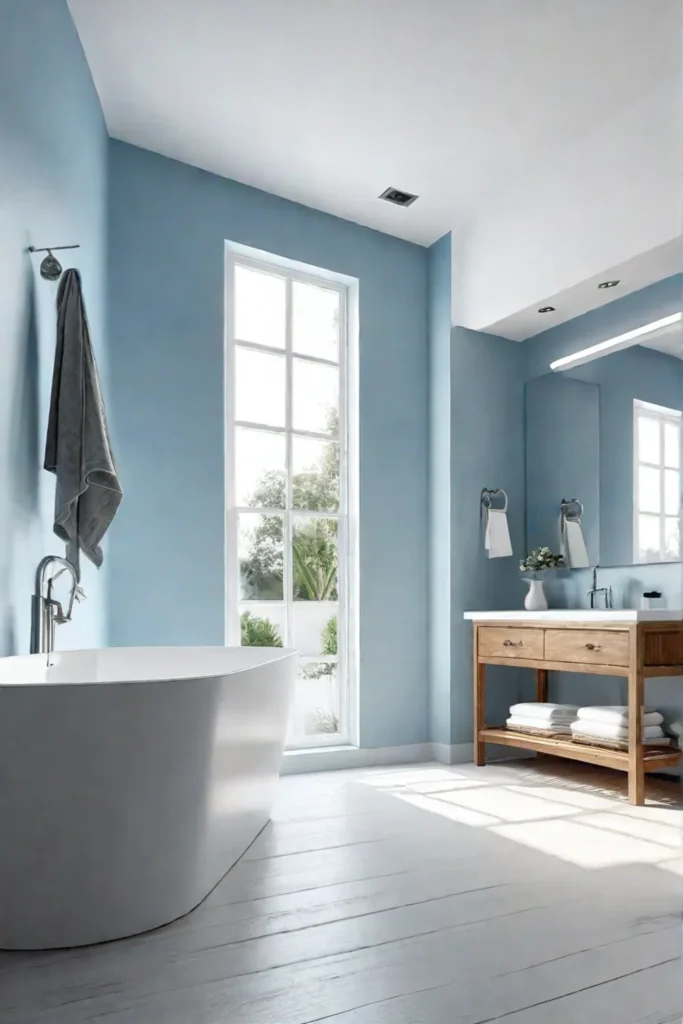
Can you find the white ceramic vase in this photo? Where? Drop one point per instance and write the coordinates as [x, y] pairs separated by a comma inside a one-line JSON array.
[[535, 600]]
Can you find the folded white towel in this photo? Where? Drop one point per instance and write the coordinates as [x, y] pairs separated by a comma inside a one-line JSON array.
[[546, 712], [616, 715], [612, 732], [497, 540], [573, 545], [527, 722]]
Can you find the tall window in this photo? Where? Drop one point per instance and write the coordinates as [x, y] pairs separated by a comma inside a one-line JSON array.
[[657, 483], [287, 482]]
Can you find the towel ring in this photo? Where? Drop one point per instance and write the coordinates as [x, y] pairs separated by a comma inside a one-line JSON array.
[[571, 509], [489, 493]]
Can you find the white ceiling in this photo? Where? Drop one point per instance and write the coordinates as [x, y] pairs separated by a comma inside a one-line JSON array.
[[669, 340], [329, 102], [632, 275], [606, 205], [464, 102]]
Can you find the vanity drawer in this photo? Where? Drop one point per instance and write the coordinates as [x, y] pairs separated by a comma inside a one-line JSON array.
[[587, 646], [507, 642]]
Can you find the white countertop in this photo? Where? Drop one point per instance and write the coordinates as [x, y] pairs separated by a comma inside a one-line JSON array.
[[581, 615]]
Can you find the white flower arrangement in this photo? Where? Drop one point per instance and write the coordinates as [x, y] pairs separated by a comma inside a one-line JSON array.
[[541, 559]]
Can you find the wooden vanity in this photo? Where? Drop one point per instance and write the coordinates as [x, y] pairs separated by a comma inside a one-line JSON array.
[[635, 645]]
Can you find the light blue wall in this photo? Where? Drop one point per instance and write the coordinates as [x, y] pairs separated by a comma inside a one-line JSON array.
[[168, 223], [439, 326], [562, 458], [53, 153], [487, 450]]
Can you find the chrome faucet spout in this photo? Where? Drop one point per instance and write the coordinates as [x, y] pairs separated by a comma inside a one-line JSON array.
[[595, 591], [46, 612]]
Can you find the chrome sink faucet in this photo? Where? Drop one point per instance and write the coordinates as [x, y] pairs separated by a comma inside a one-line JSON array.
[[595, 592], [46, 612]]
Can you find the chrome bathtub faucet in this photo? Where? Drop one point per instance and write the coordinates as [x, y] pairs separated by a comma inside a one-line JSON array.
[[46, 611]]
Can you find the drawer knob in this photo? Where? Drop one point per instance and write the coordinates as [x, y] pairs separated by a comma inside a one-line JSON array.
[[513, 643], [593, 647]]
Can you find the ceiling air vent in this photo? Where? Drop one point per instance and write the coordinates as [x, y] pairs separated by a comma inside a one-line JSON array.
[[399, 198]]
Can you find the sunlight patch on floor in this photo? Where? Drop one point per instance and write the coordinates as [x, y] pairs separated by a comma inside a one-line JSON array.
[[450, 811], [443, 787], [410, 777], [583, 845], [653, 832], [579, 799], [666, 815], [507, 805], [575, 820]]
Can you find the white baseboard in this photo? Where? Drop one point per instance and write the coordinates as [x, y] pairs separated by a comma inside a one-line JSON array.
[[457, 753], [463, 753], [328, 759]]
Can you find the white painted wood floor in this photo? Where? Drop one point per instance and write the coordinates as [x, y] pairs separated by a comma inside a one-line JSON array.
[[417, 895]]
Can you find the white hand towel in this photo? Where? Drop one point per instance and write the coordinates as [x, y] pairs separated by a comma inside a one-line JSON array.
[[546, 712], [616, 715], [573, 545], [524, 722], [612, 732], [497, 540]]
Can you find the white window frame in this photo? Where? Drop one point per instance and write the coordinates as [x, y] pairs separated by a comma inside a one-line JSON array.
[[664, 416], [347, 569]]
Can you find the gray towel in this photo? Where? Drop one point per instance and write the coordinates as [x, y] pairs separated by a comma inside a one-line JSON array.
[[77, 450]]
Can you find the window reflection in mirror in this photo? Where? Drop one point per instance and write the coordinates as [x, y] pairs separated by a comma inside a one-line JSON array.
[[608, 432]]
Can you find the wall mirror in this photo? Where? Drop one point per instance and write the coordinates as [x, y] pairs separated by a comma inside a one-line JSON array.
[[607, 432]]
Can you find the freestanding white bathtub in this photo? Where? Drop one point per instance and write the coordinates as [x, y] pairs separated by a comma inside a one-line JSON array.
[[131, 780]]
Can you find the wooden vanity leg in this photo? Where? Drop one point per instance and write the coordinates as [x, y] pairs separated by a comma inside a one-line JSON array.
[[542, 685], [541, 691], [479, 703], [636, 700]]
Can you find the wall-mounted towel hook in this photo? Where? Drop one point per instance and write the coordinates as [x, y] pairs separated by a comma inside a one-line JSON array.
[[488, 494], [51, 268], [571, 509]]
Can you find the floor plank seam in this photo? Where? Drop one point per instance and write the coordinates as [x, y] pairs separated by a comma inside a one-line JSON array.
[[331, 957], [310, 888], [350, 917], [492, 1020], [580, 952], [316, 849], [578, 991]]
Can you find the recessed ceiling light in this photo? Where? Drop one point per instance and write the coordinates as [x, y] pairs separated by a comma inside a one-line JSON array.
[[398, 197], [547, 309], [608, 284]]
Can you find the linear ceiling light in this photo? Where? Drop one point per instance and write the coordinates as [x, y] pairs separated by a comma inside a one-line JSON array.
[[585, 355]]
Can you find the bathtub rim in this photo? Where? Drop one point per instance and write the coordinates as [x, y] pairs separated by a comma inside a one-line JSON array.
[[196, 674]]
